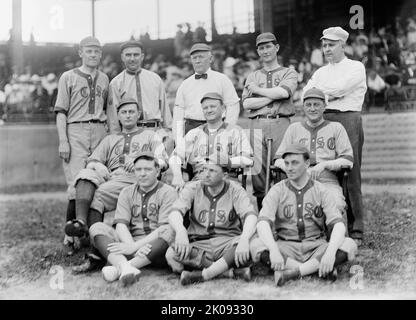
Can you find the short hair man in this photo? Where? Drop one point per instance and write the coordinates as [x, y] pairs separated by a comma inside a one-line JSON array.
[[297, 210], [222, 221], [81, 114], [187, 112], [110, 169], [344, 83], [141, 231], [326, 141], [215, 136], [143, 86], [267, 96]]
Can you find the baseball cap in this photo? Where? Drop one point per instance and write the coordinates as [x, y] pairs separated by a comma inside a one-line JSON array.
[[296, 148], [90, 42], [335, 33], [126, 101], [199, 47], [265, 37], [131, 44], [212, 95], [146, 154], [314, 93]]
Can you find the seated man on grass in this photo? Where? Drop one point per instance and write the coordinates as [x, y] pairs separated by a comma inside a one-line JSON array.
[[222, 222], [297, 214], [142, 232]]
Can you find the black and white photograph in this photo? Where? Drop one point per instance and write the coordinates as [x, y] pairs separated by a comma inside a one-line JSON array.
[[230, 151]]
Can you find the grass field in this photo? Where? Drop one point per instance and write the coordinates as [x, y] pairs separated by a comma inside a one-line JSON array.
[[31, 252]]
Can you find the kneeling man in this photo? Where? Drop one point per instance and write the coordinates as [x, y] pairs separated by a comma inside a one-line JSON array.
[[300, 211], [222, 221], [142, 232]]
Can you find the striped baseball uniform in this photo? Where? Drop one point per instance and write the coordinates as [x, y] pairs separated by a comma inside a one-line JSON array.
[[298, 220], [212, 216], [274, 128], [114, 151], [81, 98], [150, 92], [200, 143], [328, 141], [215, 221], [142, 212]]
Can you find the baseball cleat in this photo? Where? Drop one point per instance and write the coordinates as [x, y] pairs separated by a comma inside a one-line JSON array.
[[76, 228], [93, 263], [332, 276], [130, 276], [110, 273], [243, 273], [189, 277], [278, 278], [281, 277]]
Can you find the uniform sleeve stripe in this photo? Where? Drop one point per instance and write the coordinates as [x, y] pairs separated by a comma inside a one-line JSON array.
[[267, 220], [127, 223], [335, 221], [60, 110], [251, 213], [92, 160], [287, 89], [348, 157]]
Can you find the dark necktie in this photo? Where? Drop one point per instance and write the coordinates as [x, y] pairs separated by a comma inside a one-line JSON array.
[[139, 95], [199, 76]]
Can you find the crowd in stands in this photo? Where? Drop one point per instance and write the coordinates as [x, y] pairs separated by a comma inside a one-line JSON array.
[[389, 54]]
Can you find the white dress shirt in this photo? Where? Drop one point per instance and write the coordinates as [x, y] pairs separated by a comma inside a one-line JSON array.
[[190, 92], [345, 80]]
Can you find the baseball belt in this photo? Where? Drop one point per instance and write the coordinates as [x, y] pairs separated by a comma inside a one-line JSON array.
[[269, 116], [149, 123], [88, 121]]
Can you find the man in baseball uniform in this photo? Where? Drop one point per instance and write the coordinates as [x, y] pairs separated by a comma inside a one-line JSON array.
[[216, 136], [292, 225], [110, 169], [142, 233], [222, 221], [327, 142], [344, 83], [81, 114], [144, 86], [267, 96], [187, 112]]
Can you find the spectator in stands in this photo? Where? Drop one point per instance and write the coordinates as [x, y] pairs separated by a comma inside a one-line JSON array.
[[40, 97], [375, 91], [218, 54], [5, 71], [317, 58], [200, 33], [174, 78], [360, 46], [411, 31], [50, 84], [394, 91], [409, 75], [2, 107], [189, 36], [179, 41]]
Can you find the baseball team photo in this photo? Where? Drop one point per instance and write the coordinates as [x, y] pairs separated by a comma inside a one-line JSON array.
[[207, 150]]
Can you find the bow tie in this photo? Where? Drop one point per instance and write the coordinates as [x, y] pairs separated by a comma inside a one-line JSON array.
[[199, 76]]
